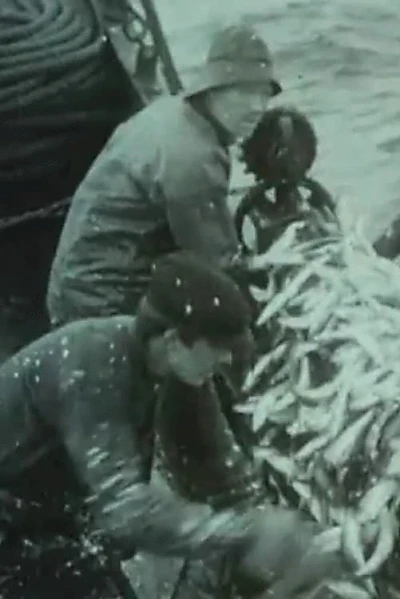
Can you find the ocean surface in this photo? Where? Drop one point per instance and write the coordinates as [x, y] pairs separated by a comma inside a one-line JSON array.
[[339, 62]]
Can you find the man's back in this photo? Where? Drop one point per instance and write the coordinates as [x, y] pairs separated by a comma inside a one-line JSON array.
[[38, 385], [120, 217], [47, 390], [81, 392]]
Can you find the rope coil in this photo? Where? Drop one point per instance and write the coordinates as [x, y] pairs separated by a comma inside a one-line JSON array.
[[61, 94]]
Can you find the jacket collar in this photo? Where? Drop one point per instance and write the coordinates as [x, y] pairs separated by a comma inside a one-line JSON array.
[[197, 103]]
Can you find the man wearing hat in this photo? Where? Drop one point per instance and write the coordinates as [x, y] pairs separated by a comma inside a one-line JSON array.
[[77, 411], [161, 184]]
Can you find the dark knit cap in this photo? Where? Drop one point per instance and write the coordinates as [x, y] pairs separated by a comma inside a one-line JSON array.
[[198, 298]]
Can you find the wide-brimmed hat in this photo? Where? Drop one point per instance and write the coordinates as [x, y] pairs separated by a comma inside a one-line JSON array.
[[237, 55]]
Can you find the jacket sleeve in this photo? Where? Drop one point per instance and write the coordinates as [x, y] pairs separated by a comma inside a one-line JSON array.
[[198, 212], [95, 421]]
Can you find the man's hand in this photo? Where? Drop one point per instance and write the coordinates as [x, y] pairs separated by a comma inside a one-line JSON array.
[[283, 557], [312, 569]]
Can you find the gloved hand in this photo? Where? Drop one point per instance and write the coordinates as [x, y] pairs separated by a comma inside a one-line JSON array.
[[311, 570], [282, 556]]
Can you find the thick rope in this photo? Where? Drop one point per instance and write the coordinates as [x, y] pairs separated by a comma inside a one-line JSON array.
[[61, 94]]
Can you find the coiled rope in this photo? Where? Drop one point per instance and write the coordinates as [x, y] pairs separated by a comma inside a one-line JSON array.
[[61, 94]]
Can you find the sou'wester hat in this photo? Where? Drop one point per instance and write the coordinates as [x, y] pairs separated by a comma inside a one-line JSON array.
[[237, 55]]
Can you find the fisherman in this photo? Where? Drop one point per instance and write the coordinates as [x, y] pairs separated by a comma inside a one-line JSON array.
[[161, 183], [77, 412], [280, 153]]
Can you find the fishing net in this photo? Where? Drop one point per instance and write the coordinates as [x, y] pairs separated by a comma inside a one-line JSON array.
[[324, 398]]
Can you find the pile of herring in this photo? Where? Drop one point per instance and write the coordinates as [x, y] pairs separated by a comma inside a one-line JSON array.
[[325, 398]]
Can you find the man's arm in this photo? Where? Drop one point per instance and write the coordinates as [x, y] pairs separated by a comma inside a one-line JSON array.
[[95, 418], [199, 446], [95, 410], [198, 212]]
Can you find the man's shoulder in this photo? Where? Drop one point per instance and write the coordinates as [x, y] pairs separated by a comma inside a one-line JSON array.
[[190, 148], [104, 348], [84, 339], [97, 329], [171, 125], [162, 109], [145, 130], [171, 117]]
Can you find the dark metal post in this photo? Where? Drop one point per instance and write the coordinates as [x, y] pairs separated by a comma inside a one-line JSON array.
[[170, 73]]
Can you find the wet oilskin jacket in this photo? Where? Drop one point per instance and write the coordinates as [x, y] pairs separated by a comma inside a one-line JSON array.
[[160, 184], [84, 388]]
